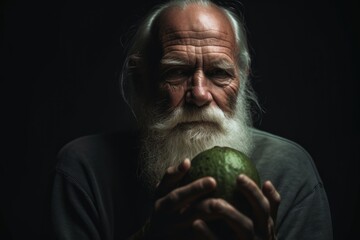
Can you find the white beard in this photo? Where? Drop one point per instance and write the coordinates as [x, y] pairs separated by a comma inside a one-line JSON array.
[[186, 132]]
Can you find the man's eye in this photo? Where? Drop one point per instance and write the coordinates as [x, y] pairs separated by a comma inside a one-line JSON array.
[[175, 72], [220, 76], [218, 73], [175, 75]]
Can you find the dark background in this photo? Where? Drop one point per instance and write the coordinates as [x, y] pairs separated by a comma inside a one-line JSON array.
[[60, 61]]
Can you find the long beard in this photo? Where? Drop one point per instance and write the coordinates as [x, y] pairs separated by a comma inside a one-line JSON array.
[[186, 132]]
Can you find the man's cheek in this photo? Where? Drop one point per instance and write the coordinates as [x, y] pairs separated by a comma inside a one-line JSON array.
[[226, 101], [231, 93], [172, 95], [232, 100]]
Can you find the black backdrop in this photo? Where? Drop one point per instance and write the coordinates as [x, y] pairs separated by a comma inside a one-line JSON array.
[[59, 68]]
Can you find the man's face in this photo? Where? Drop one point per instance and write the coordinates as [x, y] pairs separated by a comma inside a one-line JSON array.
[[197, 105], [198, 64]]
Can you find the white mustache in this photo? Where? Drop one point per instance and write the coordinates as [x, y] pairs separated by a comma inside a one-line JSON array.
[[180, 115]]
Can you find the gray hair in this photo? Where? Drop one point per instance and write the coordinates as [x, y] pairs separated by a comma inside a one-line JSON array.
[[143, 37]]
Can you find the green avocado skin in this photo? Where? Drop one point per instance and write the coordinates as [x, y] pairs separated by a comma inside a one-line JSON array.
[[224, 164]]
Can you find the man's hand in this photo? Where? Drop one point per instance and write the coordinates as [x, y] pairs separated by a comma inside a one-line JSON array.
[[182, 212], [168, 220], [264, 203]]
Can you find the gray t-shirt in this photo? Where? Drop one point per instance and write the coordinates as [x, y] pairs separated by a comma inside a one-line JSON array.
[[96, 193], [304, 210]]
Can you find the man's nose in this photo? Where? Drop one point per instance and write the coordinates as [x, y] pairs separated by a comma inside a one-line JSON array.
[[199, 93]]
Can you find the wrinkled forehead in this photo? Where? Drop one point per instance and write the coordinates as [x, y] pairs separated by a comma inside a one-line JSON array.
[[195, 21]]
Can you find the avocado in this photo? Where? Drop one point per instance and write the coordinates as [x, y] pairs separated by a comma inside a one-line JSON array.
[[224, 164]]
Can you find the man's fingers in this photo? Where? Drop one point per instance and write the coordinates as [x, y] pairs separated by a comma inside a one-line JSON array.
[[218, 209], [273, 196], [182, 196], [260, 204], [172, 177], [202, 231]]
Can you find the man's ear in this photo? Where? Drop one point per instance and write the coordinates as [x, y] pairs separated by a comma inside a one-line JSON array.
[[142, 75], [133, 60], [137, 70], [134, 63]]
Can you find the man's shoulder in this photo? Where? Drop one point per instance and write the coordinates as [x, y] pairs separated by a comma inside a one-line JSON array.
[[99, 142], [266, 141], [100, 167], [96, 151], [278, 157], [102, 138]]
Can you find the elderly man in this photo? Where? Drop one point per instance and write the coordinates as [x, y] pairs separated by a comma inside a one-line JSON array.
[[187, 74]]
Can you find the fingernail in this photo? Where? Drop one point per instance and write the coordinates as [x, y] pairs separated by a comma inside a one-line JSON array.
[[209, 183], [184, 165], [241, 178], [198, 224]]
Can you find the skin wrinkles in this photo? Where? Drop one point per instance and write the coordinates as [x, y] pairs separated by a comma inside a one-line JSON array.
[[175, 61], [204, 71], [206, 49], [215, 41], [208, 44], [177, 89]]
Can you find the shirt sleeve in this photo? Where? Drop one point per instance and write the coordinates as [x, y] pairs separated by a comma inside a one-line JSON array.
[[74, 216], [308, 219]]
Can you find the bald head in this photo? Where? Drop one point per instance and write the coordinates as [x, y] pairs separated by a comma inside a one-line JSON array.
[[197, 18]]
